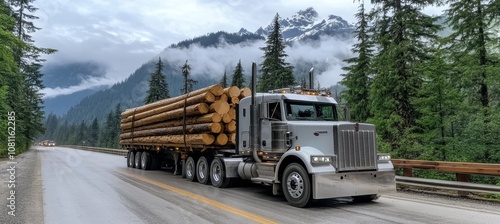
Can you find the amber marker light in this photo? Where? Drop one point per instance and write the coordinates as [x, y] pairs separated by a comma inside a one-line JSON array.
[[297, 148]]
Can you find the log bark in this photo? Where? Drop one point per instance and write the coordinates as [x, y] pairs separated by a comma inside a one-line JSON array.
[[232, 91], [207, 118], [178, 130], [198, 109], [221, 107], [198, 139], [207, 97], [216, 90], [231, 127], [244, 92]]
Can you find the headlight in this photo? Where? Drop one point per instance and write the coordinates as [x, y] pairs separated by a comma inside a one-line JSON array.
[[384, 157], [322, 159]]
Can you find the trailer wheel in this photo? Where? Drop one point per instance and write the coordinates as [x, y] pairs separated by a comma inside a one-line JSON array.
[[130, 159], [218, 174], [138, 160], [296, 185], [145, 161], [364, 198], [190, 169], [203, 170]]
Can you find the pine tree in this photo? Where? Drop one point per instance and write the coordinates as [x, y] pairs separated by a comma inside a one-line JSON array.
[[472, 45], [223, 81], [188, 82], [27, 56], [158, 86], [357, 78], [10, 79], [275, 72], [94, 133], [402, 56], [50, 126], [238, 78], [82, 134]]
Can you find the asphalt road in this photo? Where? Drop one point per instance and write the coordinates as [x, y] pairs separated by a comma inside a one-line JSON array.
[[62, 185]]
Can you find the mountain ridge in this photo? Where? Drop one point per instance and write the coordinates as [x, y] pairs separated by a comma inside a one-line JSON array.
[[131, 91]]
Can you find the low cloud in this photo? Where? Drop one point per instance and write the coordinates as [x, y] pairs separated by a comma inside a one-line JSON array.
[[326, 55], [86, 84]]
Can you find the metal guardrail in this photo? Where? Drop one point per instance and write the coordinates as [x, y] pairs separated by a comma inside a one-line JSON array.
[[120, 152], [448, 185], [462, 171], [459, 168]]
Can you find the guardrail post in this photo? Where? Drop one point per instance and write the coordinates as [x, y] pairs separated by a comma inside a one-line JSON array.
[[407, 172], [461, 177]]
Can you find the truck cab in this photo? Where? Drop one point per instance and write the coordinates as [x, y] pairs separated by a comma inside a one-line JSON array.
[[304, 151]]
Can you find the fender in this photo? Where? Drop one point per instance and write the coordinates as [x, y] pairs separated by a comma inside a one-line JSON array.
[[304, 155]]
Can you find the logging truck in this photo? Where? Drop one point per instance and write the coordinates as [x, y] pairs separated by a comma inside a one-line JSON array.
[[290, 139]]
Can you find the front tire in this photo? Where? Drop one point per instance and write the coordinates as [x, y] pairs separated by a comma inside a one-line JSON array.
[[296, 185], [218, 174], [138, 160], [203, 170], [190, 169]]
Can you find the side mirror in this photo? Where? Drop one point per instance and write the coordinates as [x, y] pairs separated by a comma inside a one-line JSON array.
[[343, 113]]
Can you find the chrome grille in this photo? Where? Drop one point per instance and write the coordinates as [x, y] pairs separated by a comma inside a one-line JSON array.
[[355, 150]]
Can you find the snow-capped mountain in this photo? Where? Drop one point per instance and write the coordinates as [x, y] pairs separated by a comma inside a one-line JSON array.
[[306, 24]]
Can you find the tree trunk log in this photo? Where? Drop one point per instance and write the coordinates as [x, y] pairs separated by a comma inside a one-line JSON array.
[[207, 97], [232, 113], [231, 127], [221, 139], [232, 138], [232, 91], [221, 107], [178, 130], [245, 92], [201, 139], [235, 100], [207, 118], [198, 109], [216, 90], [226, 118]]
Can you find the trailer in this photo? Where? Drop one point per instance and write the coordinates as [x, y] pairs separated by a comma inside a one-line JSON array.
[[290, 138]]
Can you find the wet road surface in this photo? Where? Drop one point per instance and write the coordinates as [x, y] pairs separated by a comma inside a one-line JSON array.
[[88, 187]]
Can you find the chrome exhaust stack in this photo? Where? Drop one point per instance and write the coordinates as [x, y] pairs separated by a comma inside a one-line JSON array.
[[254, 117]]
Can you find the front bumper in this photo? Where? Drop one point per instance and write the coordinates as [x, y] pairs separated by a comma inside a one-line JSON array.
[[333, 185]]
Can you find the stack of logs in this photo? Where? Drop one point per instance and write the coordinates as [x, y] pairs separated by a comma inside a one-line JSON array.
[[203, 117]]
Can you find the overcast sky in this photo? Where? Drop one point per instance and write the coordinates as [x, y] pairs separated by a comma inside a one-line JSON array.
[[124, 34]]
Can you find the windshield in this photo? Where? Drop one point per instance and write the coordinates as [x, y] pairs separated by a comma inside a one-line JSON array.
[[312, 111]]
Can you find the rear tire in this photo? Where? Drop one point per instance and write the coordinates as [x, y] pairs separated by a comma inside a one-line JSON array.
[[131, 159], [296, 185], [145, 161], [191, 169], [130, 162], [138, 160], [203, 170], [218, 174]]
